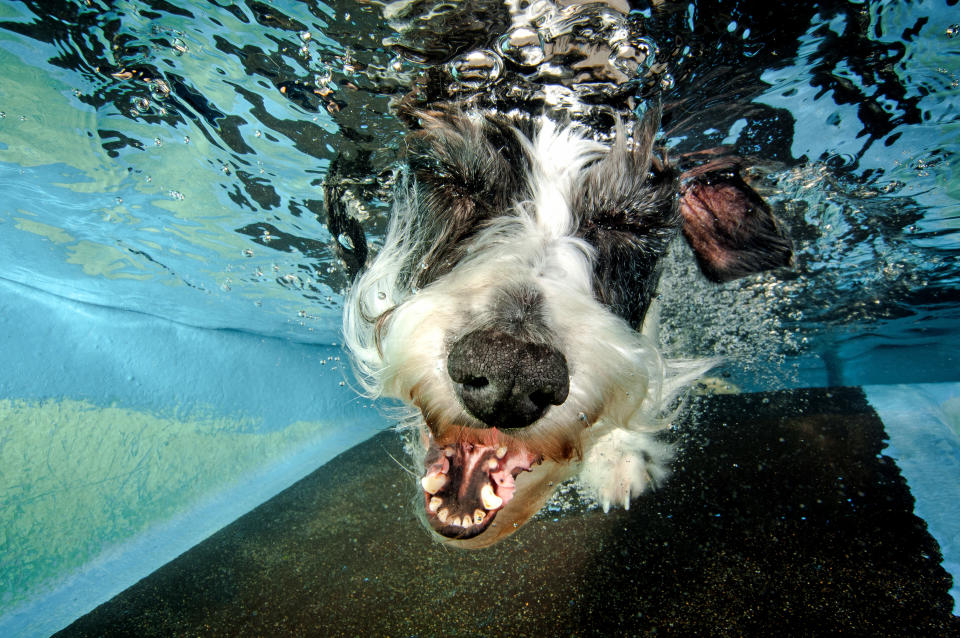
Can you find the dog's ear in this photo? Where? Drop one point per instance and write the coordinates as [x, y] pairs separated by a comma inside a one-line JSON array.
[[340, 204], [731, 229]]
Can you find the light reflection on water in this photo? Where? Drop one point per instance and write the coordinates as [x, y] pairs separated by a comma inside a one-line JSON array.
[[169, 157]]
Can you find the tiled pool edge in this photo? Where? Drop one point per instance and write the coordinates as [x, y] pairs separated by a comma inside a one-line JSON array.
[[926, 447]]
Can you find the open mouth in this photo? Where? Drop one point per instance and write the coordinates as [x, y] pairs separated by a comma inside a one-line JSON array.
[[467, 483]]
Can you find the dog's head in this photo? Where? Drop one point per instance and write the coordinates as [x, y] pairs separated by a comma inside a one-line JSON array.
[[502, 306]]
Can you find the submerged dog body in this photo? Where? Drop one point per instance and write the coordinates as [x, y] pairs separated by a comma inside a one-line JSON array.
[[502, 307]]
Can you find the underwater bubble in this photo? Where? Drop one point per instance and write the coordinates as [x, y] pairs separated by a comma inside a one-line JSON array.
[[476, 68], [381, 295], [179, 46], [159, 89], [350, 64], [632, 58], [666, 82], [142, 104], [953, 30], [323, 75], [305, 36], [522, 46]]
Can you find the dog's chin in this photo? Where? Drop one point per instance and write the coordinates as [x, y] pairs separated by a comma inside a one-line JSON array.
[[481, 486]]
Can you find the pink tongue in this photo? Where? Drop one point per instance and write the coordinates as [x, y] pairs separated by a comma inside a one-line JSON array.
[[470, 466]]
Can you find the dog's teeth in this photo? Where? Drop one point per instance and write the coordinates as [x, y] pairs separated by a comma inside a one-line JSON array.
[[501, 451], [443, 515], [449, 451], [490, 500], [493, 464], [478, 516], [434, 504], [431, 483]]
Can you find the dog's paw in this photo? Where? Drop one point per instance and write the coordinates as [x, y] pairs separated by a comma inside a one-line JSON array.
[[623, 464]]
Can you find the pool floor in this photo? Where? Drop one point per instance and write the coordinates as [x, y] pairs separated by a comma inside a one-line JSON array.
[[783, 515]]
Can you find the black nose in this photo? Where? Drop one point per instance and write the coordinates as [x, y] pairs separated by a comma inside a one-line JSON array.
[[504, 381]]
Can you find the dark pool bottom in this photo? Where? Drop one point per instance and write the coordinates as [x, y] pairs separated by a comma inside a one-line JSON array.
[[782, 518]]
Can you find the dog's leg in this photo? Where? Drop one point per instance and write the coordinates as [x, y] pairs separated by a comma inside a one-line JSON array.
[[621, 464]]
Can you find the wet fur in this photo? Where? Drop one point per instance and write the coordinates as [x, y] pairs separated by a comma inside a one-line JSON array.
[[536, 228]]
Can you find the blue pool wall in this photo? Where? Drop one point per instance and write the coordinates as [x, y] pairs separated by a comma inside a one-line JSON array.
[[257, 413], [125, 439]]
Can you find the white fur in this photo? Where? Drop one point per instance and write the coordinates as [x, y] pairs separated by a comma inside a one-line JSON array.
[[617, 377]]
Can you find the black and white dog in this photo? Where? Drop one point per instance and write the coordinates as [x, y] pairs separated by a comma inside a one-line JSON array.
[[511, 306]]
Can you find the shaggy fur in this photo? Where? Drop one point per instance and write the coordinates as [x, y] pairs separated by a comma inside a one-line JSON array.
[[502, 308]]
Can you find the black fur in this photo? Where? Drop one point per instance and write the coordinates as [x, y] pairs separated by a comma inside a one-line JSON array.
[[627, 208]]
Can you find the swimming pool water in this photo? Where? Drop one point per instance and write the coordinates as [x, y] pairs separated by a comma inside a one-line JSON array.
[[169, 297]]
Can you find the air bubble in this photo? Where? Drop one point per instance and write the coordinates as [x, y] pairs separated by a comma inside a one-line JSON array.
[[159, 89], [323, 75], [632, 58], [522, 46], [476, 69]]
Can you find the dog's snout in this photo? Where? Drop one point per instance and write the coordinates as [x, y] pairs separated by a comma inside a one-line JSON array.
[[504, 381]]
